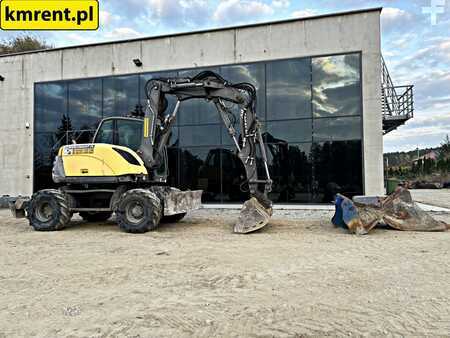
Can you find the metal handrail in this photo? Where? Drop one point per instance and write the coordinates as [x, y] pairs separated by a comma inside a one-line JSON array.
[[393, 103]]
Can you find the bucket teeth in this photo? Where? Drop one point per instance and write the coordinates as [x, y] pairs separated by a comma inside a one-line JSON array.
[[253, 217]]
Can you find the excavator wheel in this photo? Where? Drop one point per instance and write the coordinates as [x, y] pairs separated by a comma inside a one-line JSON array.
[[48, 210], [96, 216], [138, 211], [173, 218]]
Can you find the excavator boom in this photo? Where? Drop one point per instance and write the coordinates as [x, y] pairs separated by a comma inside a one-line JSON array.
[[212, 87]]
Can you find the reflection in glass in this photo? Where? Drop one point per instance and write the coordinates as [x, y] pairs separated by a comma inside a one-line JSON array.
[[337, 129], [44, 155], [290, 130], [197, 111], [199, 135], [105, 133], [302, 172], [233, 177], [81, 136], [120, 95], [291, 171], [336, 85], [200, 169], [129, 133], [337, 169], [85, 103], [51, 106], [251, 73], [289, 89], [174, 167]]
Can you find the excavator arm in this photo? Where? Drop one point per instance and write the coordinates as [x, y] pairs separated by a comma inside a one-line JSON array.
[[211, 87]]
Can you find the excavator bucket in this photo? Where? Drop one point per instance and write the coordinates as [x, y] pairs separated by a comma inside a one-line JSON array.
[[253, 216], [397, 211]]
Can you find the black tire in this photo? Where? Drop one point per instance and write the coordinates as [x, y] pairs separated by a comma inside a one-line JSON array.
[[138, 211], [48, 210], [173, 218], [101, 216]]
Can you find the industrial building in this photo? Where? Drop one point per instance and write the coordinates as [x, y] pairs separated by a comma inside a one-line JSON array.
[[325, 99]]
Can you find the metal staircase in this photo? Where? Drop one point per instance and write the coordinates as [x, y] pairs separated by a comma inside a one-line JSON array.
[[397, 102]]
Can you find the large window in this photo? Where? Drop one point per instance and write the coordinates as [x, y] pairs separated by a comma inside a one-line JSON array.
[[336, 85], [288, 89], [309, 108], [120, 95]]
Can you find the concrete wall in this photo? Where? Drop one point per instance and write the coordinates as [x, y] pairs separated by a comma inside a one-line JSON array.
[[308, 37]]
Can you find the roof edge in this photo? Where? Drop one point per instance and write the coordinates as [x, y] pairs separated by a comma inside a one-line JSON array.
[[211, 30]]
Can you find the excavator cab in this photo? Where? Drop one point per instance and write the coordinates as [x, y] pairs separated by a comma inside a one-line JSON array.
[[121, 131]]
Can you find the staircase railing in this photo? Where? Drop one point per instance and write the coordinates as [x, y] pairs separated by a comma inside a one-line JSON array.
[[397, 101]]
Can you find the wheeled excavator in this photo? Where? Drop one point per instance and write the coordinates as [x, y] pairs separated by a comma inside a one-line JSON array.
[[125, 169]]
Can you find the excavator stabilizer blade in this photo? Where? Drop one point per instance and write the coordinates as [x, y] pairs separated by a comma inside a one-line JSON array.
[[253, 217]]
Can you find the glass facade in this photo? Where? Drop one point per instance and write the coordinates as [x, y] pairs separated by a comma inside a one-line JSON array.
[[310, 109]]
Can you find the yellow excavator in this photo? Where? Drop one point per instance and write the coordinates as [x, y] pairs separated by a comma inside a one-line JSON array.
[[125, 169]]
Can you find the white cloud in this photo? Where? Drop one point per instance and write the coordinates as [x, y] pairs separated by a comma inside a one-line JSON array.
[[178, 12], [391, 13], [237, 10], [281, 3], [122, 33], [81, 38], [304, 13], [107, 18], [395, 18]]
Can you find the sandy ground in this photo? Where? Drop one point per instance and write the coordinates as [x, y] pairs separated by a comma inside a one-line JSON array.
[[438, 197], [297, 277]]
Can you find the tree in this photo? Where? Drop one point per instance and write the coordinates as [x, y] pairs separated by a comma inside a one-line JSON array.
[[23, 43], [445, 148], [428, 166]]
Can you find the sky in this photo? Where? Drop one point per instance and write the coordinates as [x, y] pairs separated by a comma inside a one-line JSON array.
[[416, 49]]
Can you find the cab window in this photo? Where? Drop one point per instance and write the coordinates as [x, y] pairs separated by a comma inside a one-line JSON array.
[[129, 133], [106, 133]]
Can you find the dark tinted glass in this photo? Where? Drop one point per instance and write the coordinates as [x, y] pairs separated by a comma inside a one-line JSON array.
[[336, 85], [197, 111], [120, 95], [85, 103], [81, 136], [233, 177], [337, 169], [174, 167], [288, 89], [337, 129], [199, 135], [106, 132], [289, 131], [254, 74], [291, 171], [51, 106], [129, 133], [200, 169], [46, 146], [302, 172], [174, 138]]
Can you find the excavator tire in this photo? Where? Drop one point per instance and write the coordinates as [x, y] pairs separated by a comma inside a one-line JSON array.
[[96, 216], [48, 210], [173, 218], [138, 211]]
